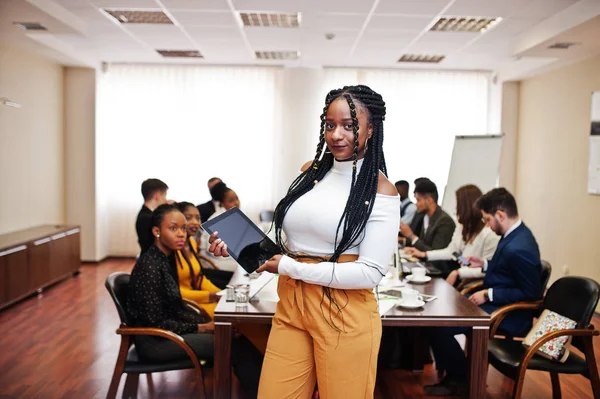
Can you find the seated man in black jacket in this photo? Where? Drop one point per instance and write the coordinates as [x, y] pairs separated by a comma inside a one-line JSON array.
[[154, 192], [208, 208]]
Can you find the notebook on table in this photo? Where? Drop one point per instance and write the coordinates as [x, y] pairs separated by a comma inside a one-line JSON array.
[[431, 269]]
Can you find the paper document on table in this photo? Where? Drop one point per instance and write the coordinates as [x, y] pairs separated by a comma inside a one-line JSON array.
[[386, 304]]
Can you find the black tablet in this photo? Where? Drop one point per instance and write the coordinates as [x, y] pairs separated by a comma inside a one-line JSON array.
[[246, 242]]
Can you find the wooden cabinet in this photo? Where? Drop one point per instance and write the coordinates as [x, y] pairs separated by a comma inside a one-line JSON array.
[[17, 271], [35, 258], [39, 253]]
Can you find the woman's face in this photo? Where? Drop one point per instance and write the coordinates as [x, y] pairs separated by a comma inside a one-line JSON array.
[[230, 200], [172, 231], [339, 135], [192, 217]]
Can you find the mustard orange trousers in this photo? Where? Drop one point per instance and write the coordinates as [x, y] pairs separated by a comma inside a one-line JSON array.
[[304, 345]]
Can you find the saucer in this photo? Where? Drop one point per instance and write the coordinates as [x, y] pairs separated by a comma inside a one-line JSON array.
[[415, 305], [411, 279]]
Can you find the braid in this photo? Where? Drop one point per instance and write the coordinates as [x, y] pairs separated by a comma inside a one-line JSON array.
[[361, 199]]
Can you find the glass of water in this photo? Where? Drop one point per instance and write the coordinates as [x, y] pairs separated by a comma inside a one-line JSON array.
[[242, 295]]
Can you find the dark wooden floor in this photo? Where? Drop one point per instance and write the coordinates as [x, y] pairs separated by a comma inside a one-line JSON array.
[[62, 344]]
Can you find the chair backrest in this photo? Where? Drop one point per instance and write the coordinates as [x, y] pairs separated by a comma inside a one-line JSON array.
[[546, 272], [266, 216], [117, 284], [575, 298]]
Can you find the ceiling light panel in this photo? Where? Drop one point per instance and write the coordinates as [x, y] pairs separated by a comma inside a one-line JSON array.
[[30, 26], [139, 17], [431, 59], [562, 45], [464, 24], [270, 20], [277, 55], [180, 53]]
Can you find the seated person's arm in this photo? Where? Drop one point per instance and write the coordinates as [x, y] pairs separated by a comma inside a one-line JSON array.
[[150, 308], [441, 239], [525, 269], [446, 253], [470, 272], [198, 296]]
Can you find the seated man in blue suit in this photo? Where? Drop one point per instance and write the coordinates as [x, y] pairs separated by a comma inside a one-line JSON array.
[[512, 275]]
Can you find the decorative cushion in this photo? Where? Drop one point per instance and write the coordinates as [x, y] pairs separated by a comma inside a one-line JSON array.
[[557, 348]]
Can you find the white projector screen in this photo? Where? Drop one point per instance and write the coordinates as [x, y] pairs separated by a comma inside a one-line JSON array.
[[475, 160]]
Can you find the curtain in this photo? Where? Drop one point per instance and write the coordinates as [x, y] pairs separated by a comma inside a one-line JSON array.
[[183, 125]]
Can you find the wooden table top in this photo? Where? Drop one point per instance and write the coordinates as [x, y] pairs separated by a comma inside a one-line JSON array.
[[450, 307]]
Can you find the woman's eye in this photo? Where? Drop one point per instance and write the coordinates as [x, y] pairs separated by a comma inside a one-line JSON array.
[[173, 228], [329, 126], [348, 126]]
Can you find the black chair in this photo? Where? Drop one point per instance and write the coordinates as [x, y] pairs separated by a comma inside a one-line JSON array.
[[266, 216], [128, 360], [572, 297]]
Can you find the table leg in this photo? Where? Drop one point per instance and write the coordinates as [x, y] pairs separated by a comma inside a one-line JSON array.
[[477, 356], [222, 370]]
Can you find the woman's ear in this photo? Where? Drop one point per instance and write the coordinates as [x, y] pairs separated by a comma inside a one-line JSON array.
[[155, 231], [370, 131]]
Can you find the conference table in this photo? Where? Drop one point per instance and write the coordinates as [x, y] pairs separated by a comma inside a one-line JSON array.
[[449, 309]]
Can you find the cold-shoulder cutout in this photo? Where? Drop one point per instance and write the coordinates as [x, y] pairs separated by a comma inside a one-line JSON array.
[[385, 187]]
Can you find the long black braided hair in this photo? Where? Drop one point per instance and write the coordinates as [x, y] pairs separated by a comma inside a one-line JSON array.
[[364, 183]]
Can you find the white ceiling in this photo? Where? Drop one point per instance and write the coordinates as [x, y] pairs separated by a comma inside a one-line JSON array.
[[368, 33]]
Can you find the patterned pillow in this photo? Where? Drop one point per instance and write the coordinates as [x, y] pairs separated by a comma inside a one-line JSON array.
[[557, 348]]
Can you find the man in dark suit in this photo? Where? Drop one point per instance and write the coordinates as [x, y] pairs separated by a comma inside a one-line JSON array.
[[209, 207], [154, 192], [438, 227], [512, 275]]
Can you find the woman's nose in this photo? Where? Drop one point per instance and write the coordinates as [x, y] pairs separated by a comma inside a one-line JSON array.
[[337, 133]]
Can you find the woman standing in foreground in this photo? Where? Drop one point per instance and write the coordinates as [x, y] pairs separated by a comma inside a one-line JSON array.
[[340, 219]]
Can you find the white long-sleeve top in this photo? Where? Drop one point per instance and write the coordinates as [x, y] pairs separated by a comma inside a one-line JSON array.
[[483, 245], [310, 227]]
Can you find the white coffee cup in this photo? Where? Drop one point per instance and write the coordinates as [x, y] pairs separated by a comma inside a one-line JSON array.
[[418, 273], [410, 296]]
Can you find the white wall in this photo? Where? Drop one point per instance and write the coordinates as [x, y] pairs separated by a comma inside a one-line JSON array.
[[32, 184], [552, 162], [510, 128], [80, 155]]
